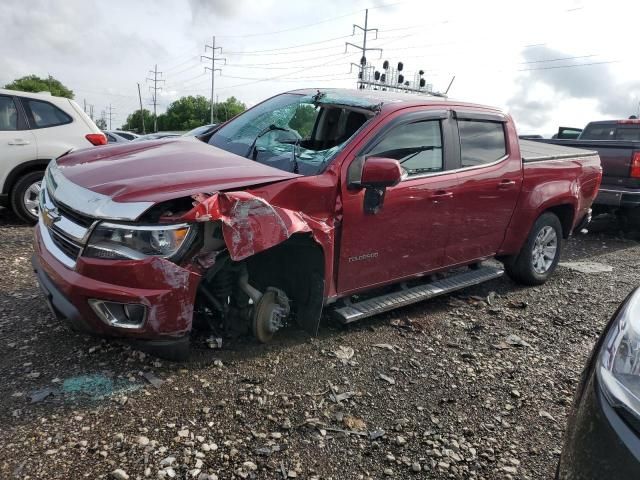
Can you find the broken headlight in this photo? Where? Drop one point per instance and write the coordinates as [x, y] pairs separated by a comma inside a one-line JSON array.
[[618, 365], [120, 241]]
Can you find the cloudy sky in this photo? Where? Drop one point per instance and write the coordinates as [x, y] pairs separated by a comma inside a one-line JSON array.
[[549, 63]]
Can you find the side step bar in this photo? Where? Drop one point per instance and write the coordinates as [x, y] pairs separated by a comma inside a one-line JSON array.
[[352, 312]]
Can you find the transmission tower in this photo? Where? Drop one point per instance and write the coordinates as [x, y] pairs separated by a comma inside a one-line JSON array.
[[154, 95]]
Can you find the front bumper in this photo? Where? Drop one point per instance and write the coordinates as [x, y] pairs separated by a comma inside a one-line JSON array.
[[599, 444], [166, 290], [618, 197]]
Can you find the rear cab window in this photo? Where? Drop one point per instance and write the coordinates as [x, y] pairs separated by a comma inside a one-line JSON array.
[[612, 131], [43, 114], [481, 142]]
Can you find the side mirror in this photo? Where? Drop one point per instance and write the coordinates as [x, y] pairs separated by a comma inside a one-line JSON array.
[[380, 172]]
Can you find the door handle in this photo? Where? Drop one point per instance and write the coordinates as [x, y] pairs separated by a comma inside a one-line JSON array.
[[441, 195], [506, 184], [19, 141]]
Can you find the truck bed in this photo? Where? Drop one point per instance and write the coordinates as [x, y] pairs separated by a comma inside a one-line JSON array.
[[535, 151]]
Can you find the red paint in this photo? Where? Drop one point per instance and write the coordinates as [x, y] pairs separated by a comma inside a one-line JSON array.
[[167, 290], [381, 172], [426, 224]]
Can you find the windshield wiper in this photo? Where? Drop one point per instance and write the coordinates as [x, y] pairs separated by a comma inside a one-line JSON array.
[[294, 157], [419, 150], [264, 131]]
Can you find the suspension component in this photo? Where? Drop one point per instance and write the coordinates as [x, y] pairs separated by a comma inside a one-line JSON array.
[[270, 314]]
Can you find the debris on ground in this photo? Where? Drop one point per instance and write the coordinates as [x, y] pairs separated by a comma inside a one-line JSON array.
[[472, 386]]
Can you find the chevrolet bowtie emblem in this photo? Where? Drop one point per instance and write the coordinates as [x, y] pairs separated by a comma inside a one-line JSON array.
[[51, 216]]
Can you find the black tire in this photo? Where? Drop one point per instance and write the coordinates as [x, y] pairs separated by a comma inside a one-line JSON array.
[[18, 193], [521, 267]]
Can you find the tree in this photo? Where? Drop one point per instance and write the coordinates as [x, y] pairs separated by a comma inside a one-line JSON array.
[[101, 123], [134, 121], [33, 83], [186, 113], [223, 111], [304, 119]]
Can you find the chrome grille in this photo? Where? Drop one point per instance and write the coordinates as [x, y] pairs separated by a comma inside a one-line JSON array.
[[64, 232]]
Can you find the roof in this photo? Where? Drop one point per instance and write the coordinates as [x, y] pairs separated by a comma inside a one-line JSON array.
[[44, 95], [389, 100]]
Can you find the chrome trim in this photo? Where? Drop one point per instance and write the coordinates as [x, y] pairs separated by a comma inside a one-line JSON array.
[[52, 248], [456, 170], [112, 320], [61, 224], [89, 203], [154, 227]]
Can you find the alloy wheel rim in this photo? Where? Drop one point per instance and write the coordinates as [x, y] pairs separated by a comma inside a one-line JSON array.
[[545, 249], [30, 198]]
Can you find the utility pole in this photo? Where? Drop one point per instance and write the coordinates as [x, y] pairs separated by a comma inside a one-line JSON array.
[[85, 105], [91, 112], [155, 89], [363, 48], [213, 68], [110, 115], [141, 110]]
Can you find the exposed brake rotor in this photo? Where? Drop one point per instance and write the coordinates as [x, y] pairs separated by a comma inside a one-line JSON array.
[[270, 314]]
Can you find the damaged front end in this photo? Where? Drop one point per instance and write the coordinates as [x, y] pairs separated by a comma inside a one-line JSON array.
[[261, 265]]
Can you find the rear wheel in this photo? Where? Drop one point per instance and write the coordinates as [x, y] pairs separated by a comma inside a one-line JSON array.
[[24, 196], [539, 255]]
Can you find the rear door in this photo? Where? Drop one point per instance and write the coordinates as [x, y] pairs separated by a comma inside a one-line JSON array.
[[17, 143], [490, 179], [408, 235]]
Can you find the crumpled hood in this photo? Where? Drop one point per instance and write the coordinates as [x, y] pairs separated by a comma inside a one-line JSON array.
[[155, 171]]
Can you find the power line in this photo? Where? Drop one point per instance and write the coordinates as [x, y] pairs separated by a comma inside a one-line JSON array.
[[288, 47], [154, 97], [275, 32], [569, 66], [213, 68]]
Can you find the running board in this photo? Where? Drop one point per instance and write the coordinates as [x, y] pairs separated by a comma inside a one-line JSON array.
[[352, 312]]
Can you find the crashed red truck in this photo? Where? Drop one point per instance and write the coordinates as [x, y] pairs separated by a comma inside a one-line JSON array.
[[350, 201]]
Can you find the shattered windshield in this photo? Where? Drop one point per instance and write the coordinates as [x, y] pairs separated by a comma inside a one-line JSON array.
[[292, 132]]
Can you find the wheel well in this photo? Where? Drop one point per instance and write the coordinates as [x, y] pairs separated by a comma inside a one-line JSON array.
[[287, 264], [565, 214], [297, 267], [23, 169]]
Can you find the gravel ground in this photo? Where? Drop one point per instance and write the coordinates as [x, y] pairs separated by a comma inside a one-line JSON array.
[[472, 385]]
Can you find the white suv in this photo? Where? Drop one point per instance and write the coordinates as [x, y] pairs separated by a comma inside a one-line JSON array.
[[35, 128]]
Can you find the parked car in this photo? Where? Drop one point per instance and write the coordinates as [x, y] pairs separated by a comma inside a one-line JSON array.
[[126, 135], [603, 433], [155, 136], [529, 137], [203, 130], [567, 133], [618, 143], [298, 204], [34, 128], [114, 137]]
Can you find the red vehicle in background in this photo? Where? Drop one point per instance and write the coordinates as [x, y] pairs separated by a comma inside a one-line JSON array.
[[299, 204]]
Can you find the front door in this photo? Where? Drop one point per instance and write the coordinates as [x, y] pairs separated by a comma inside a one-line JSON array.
[[408, 234]]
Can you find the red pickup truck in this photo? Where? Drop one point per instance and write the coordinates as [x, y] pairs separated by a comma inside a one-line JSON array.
[[352, 201]]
